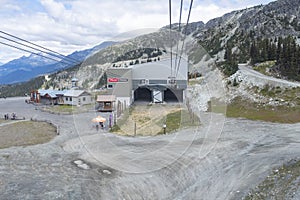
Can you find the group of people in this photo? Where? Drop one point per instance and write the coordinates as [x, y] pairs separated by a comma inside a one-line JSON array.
[[13, 116], [101, 124]]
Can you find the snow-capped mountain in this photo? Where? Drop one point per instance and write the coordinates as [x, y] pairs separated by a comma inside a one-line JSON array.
[[27, 67]]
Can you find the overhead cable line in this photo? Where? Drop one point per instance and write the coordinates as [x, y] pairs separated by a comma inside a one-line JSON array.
[[51, 54], [179, 29], [63, 56], [185, 32], [170, 15], [28, 51]]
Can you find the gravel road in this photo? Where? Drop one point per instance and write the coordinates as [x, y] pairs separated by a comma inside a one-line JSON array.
[[259, 77], [222, 159]]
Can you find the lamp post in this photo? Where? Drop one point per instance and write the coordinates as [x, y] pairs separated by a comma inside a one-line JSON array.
[[164, 127]]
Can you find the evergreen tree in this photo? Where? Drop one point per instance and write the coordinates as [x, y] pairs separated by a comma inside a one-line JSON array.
[[231, 65], [284, 50]]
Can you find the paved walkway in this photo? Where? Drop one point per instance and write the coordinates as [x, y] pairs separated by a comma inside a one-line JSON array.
[[12, 122]]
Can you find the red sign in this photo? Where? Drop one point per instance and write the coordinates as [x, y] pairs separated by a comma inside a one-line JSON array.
[[113, 80]]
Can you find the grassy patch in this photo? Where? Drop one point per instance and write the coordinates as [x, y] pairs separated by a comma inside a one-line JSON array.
[[255, 111], [68, 109], [26, 133], [195, 82], [216, 106], [149, 120], [180, 119], [286, 94], [263, 67], [122, 120], [62, 108], [115, 128], [279, 184]]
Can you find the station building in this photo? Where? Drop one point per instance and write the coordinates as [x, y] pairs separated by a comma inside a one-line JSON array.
[[152, 82]]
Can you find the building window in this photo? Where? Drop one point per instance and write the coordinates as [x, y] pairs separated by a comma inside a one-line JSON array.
[[67, 99], [83, 99], [144, 81], [70, 98]]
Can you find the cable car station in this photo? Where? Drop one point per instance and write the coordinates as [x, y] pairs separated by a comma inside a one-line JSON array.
[[153, 82]]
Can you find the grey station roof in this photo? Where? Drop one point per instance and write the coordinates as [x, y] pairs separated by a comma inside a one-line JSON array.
[[160, 70]]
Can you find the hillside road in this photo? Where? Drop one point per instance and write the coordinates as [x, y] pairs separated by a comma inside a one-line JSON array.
[[248, 71]]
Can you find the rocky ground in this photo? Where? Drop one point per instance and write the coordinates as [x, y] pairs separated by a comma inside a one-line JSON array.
[[281, 183], [222, 159]]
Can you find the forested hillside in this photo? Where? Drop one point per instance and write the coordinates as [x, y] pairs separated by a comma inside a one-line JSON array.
[[284, 51], [21, 89]]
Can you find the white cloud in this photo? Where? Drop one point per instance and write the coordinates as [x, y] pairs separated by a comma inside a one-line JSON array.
[[54, 9], [68, 25]]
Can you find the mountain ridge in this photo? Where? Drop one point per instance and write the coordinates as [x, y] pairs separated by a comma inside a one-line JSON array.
[[209, 42], [27, 67], [225, 40]]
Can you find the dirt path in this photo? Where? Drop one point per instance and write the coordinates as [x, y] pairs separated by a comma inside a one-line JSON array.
[[216, 161]]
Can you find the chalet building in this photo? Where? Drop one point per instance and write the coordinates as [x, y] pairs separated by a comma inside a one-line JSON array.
[[50, 97], [77, 98], [64, 97]]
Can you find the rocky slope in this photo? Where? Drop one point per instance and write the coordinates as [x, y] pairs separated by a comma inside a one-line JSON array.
[[206, 41]]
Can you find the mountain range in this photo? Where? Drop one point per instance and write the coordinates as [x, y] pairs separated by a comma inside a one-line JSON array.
[[233, 32], [225, 40], [28, 67]]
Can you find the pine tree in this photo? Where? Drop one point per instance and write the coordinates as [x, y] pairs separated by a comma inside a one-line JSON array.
[[253, 53], [279, 49]]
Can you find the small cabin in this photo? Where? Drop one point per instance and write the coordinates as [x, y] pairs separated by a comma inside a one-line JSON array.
[[77, 98], [106, 103]]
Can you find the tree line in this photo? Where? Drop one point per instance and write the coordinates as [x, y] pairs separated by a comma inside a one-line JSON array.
[[285, 51], [21, 89]]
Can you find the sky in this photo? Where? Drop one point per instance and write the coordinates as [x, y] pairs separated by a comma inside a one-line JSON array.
[[69, 25]]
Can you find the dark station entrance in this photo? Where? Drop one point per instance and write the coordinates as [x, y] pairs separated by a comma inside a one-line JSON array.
[[142, 95], [167, 95], [173, 96]]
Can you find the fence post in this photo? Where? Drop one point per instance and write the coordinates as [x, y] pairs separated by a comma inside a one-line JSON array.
[[134, 129]]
